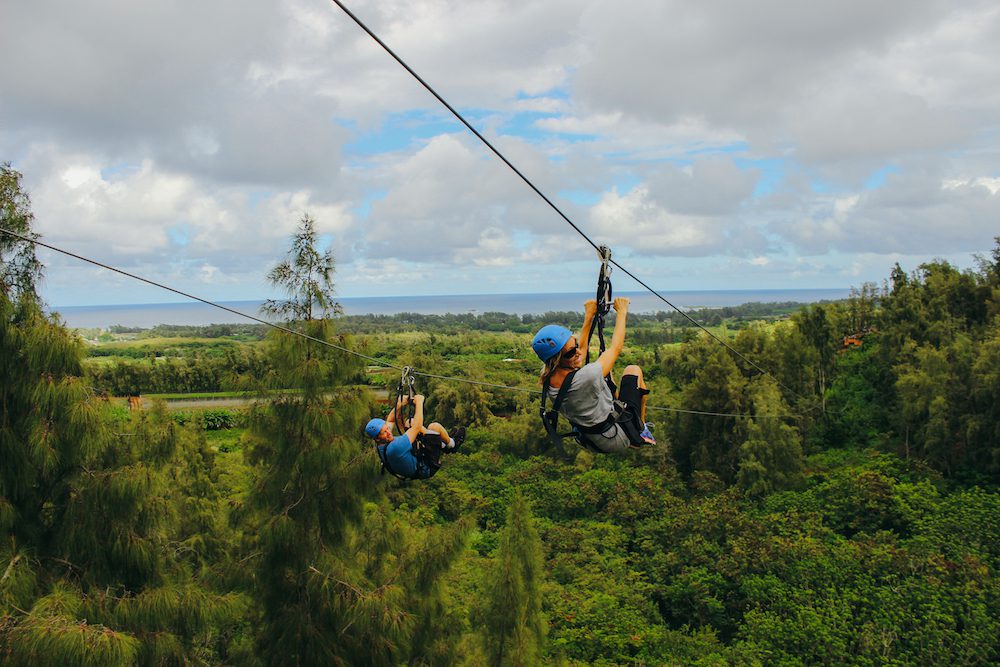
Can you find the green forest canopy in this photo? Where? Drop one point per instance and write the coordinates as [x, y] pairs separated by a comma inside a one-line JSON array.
[[850, 516]]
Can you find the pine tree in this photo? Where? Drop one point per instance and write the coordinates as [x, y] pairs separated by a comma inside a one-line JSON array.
[[815, 325], [88, 512], [309, 498], [20, 269], [340, 580], [714, 383], [88, 509], [514, 627], [306, 276], [771, 457]]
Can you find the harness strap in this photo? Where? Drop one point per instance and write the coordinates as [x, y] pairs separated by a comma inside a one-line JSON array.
[[597, 429], [550, 418], [405, 388], [604, 301], [620, 415], [380, 450], [563, 389]]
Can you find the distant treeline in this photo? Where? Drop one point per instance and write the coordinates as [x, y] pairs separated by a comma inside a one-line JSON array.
[[529, 323], [246, 331], [487, 321], [172, 366], [177, 375]]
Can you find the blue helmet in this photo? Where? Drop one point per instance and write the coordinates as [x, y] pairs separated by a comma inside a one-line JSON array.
[[549, 340], [374, 427]]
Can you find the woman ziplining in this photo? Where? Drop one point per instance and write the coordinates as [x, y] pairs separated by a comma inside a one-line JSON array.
[[605, 419], [417, 452]]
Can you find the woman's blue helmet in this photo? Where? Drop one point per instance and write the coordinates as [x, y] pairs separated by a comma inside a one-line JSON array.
[[549, 340], [374, 427]]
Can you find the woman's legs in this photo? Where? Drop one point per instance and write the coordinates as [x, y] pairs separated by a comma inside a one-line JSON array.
[[640, 383]]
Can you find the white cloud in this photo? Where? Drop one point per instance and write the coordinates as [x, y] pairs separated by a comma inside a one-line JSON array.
[[991, 184], [188, 138], [448, 203], [634, 220], [918, 214], [147, 214]]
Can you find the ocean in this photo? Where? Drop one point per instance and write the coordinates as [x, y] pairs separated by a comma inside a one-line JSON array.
[[146, 315]]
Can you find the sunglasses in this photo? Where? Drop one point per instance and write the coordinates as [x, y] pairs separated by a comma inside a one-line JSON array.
[[571, 352]]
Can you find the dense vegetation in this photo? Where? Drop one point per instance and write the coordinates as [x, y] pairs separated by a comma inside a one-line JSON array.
[[177, 359], [847, 514]]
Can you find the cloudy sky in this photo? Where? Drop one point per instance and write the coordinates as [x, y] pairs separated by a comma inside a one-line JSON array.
[[712, 144]]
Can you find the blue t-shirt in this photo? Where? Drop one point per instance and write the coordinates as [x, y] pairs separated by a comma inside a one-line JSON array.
[[399, 456]]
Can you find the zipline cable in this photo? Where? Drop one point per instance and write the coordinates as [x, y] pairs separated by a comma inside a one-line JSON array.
[[286, 330], [548, 201], [699, 325], [462, 120], [307, 337], [196, 298]]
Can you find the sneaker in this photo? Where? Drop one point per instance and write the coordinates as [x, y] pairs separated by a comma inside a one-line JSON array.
[[647, 434], [457, 438]]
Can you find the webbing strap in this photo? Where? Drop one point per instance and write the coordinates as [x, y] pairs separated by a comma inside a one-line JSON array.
[[380, 450], [604, 301], [550, 418], [404, 389], [563, 388]]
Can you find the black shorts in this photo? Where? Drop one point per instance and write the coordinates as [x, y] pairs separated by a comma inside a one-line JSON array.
[[429, 456], [630, 393]]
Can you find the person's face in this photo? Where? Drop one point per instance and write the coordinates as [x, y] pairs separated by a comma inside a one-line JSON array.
[[384, 436], [571, 354]]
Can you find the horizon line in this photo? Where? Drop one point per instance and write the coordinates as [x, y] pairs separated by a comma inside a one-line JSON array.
[[467, 294]]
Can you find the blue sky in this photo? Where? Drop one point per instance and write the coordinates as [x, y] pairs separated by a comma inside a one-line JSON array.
[[711, 145]]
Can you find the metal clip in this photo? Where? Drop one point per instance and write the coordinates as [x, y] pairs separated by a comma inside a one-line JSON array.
[[604, 252]]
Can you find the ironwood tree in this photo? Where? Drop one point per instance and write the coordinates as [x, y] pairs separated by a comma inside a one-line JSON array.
[[339, 579]]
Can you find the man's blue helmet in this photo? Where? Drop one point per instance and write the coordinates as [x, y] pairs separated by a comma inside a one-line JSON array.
[[374, 427], [549, 340]]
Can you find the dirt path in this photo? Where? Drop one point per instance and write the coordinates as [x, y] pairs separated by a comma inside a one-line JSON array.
[[188, 403]]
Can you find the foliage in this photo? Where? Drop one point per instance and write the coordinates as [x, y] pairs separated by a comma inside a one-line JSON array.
[[108, 550], [514, 627], [840, 508], [306, 277], [20, 270]]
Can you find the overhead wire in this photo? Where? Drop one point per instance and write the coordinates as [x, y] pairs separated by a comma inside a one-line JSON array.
[[548, 201], [196, 298], [254, 318], [462, 120]]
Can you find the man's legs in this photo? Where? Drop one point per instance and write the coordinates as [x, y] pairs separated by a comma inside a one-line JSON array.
[[437, 428], [450, 443]]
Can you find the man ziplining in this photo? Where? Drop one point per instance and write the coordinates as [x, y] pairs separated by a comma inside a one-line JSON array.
[[416, 454]]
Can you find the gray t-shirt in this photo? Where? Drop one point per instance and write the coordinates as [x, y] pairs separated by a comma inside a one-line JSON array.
[[588, 402]]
